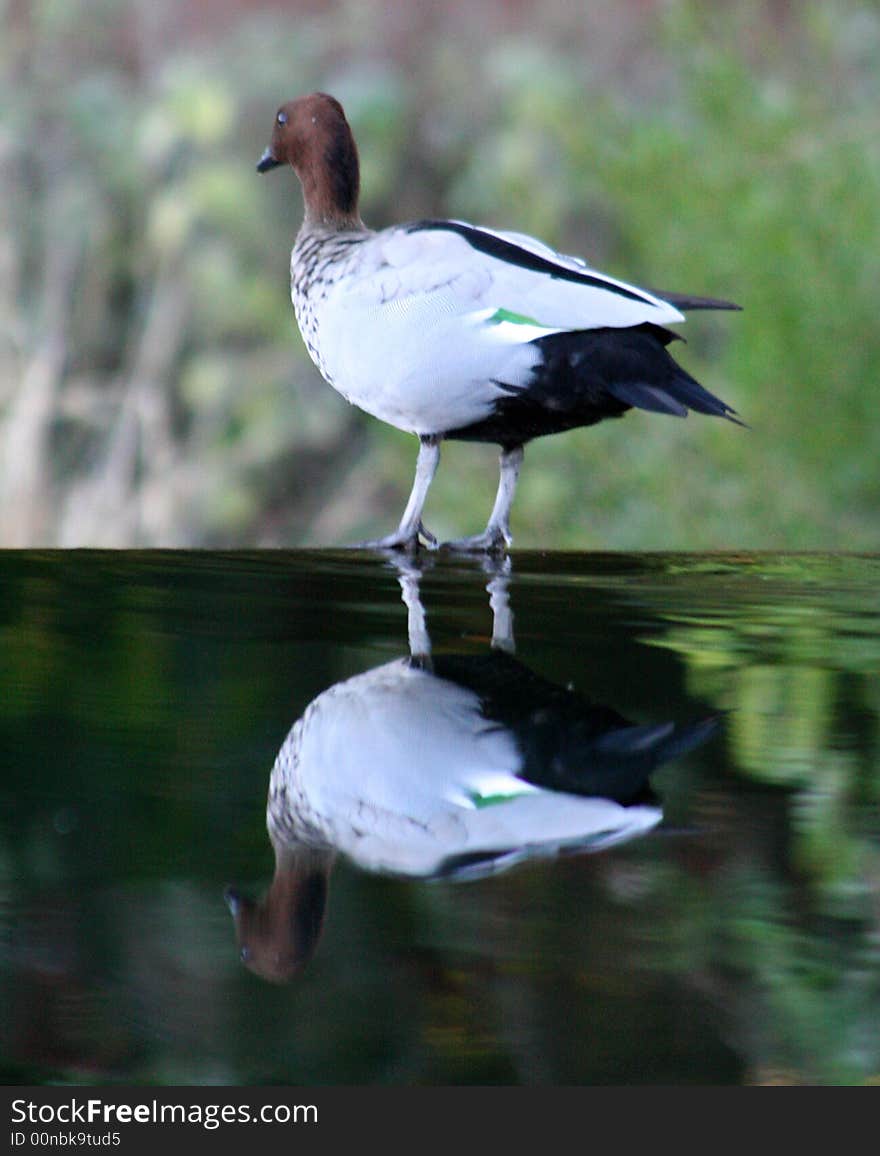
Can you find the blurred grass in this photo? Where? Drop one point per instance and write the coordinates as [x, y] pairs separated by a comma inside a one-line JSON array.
[[154, 389]]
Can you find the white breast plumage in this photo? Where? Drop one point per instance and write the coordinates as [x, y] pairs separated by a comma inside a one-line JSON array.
[[422, 330], [401, 771]]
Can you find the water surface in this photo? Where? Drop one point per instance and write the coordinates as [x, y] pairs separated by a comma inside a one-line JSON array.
[[732, 936]]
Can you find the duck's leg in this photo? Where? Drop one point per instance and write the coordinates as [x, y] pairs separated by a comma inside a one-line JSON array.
[[406, 536], [496, 536]]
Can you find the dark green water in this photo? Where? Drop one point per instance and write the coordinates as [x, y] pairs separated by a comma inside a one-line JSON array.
[[144, 698]]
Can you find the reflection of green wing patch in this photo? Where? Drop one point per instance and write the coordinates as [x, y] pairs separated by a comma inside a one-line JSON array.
[[481, 801], [502, 315]]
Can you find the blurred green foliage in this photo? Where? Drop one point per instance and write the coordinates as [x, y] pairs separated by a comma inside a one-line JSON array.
[[153, 387]]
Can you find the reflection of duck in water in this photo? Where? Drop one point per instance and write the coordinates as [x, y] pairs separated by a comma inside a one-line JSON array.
[[444, 767]]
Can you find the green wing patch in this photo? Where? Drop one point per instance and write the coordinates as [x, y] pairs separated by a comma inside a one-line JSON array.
[[502, 315]]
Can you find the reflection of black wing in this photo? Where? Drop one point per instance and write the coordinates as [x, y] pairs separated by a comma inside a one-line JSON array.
[[479, 864], [567, 742]]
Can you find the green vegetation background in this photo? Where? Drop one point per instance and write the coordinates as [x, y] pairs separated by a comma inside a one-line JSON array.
[[154, 389]]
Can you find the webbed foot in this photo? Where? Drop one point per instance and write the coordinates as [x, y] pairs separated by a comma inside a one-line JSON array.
[[493, 540], [403, 539]]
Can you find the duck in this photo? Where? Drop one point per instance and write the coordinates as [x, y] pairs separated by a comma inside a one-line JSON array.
[[451, 770], [445, 767], [457, 332]]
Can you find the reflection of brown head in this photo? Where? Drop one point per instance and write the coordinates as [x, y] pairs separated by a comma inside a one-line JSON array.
[[278, 934]]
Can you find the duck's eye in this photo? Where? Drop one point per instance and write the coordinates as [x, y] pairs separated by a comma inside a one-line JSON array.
[[281, 118]]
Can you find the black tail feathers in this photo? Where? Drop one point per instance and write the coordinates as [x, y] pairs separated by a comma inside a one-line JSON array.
[[640, 372]]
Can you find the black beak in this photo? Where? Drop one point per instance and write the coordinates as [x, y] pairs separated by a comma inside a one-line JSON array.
[[233, 900], [267, 161]]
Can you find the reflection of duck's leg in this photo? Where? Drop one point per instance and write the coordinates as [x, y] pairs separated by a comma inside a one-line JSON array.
[[416, 624], [502, 616]]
